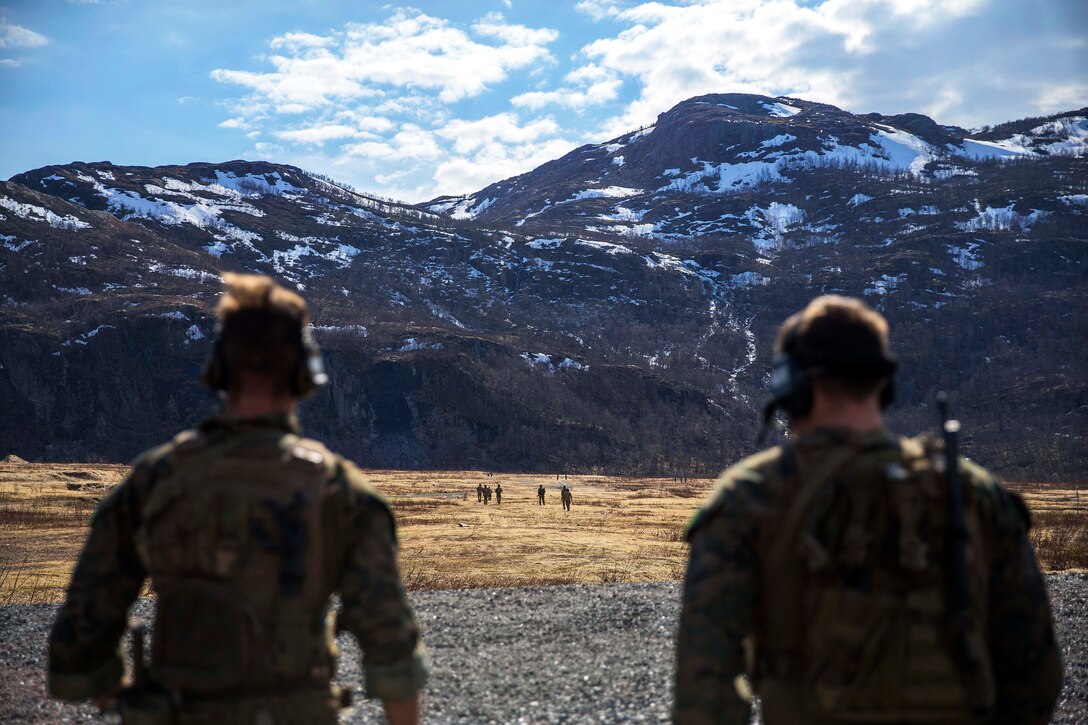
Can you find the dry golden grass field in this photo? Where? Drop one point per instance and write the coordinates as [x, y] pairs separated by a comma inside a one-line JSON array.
[[619, 529]]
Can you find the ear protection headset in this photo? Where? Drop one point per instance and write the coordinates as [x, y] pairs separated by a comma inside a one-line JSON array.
[[794, 368], [307, 373]]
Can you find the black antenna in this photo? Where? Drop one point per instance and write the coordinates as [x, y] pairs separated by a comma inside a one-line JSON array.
[[942, 407], [958, 586]]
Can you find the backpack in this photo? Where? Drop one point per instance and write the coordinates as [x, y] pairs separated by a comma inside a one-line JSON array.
[[855, 591], [230, 536]]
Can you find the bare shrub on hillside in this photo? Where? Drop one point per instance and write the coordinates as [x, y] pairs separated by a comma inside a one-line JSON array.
[[61, 514], [684, 491], [404, 506], [618, 573], [675, 534], [649, 493]]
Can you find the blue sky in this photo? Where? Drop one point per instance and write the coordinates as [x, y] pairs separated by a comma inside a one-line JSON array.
[[444, 97]]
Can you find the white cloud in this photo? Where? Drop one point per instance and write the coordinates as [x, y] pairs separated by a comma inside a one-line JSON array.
[[493, 162], [495, 26], [375, 102], [595, 95], [960, 59], [409, 50], [300, 41], [267, 150], [588, 85], [10, 62], [588, 74], [16, 36], [317, 134], [598, 9], [366, 122], [1054, 99], [505, 128], [411, 143]]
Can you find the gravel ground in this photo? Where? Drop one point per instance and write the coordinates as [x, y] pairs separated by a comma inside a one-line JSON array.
[[577, 654]]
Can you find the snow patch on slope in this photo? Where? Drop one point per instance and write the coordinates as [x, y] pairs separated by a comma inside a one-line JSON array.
[[32, 212], [608, 192], [885, 284], [1000, 219], [903, 150], [966, 256], [411, 344], [780, 110], [774, 222], [284, 261]]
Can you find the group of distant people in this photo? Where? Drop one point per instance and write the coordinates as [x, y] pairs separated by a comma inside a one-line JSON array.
[[484, 493], [565, 496]]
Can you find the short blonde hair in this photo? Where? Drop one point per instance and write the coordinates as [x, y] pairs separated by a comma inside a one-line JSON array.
[[259, 291]]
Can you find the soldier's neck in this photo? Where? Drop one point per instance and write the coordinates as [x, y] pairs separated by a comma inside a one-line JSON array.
[[258, 400], [861, 416]]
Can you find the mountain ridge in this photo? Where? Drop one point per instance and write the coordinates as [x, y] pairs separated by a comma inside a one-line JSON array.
[[514, 337]]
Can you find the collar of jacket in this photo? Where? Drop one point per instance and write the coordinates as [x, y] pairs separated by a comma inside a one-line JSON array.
[[835, 436], [230, 425]]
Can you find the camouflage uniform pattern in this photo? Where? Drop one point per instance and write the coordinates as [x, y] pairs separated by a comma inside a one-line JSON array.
[[358, 549], [722, 603]]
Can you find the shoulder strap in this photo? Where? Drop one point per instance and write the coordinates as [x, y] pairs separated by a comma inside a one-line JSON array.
[[783, 628], [803, 500]]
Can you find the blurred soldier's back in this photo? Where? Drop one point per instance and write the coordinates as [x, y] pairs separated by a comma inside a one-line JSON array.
[[824, 569], [245, 529]]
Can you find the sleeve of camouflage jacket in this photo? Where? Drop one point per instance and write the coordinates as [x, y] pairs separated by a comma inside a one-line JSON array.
[[375, 606], [1027, 664], [717, 609], [84, 657]]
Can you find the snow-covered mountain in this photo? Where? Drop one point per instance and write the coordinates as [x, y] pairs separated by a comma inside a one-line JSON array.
[[718, 148], [613, 308]]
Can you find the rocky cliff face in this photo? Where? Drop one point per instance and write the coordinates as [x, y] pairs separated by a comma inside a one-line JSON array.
[[612, 309]]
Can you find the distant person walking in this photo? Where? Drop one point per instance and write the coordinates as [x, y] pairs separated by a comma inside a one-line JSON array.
[[498, 494], [487, 495], [540, 495], [479, 493], [566, 498]]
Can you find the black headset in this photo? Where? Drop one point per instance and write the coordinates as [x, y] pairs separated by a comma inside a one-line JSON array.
[[307, 374], [791, 380]]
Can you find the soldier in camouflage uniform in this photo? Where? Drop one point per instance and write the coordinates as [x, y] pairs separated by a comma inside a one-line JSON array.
[[245, 529], [818, 570]]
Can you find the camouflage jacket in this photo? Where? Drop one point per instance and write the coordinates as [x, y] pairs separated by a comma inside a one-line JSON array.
[[358, 554], [722, 607]]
